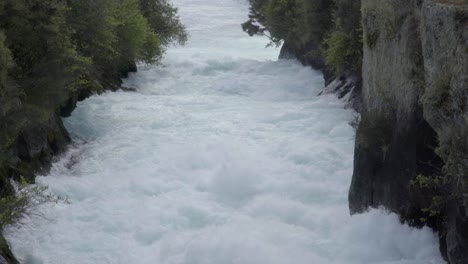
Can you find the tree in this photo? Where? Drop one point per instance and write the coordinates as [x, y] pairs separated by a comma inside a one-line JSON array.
[[39, 39], [163, 20]]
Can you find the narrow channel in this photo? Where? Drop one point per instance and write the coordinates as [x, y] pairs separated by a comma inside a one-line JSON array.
[[222, 155]]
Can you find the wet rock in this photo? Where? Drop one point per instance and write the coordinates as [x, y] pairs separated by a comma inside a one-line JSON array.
[[6, 256]]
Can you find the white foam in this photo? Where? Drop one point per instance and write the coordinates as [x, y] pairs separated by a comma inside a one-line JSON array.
[[223, 155]]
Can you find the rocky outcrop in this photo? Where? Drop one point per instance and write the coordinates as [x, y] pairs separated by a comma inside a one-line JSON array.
[[411, 152], [346, 86], [304, 54]]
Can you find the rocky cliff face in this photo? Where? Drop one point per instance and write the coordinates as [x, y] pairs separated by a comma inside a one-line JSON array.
[[412, 143]]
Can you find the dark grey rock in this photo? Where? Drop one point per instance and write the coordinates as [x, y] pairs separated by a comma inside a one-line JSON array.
[[415, 73]]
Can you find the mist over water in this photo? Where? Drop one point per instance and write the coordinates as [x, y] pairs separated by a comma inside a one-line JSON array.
[[223, 155]]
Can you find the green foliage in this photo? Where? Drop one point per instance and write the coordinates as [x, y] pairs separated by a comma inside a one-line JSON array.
[[51, 50], [450, 184], [341, 53], [163, 21], [343, 47], [57, 44], [27, 200], [298, 22], [319, 20], [317, 29], [115, 33], [135, 40], [424, 182], [94, 23], [263, 20], [438, 188], [337, 51], [39, 39]]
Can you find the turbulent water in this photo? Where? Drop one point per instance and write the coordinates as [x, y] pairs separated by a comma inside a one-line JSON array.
[[223, 155]]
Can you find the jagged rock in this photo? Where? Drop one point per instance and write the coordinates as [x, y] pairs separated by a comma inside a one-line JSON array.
[[128, 89], [346, 87]]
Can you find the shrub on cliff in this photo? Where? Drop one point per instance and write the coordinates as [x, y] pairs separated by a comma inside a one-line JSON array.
[[343, 47], [27, 200], [298, 22], [163, 20], [342, 52]]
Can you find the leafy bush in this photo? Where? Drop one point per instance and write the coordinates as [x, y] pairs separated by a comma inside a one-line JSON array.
[[317, 29], [439, 189], [56, 44], [163, 21], [337, 52], [25, 203], [51, 50]]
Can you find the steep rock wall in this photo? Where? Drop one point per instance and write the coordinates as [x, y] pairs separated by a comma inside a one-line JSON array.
[[411, 144]]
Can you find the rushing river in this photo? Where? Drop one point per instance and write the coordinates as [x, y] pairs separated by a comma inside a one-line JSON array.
[[223, 155]]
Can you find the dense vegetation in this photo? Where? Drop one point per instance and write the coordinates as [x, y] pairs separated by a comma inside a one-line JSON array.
[[51, 51], [320, 32], [51, 47]]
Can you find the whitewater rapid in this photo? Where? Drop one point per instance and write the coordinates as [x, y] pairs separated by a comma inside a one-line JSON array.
[[223, 155]]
